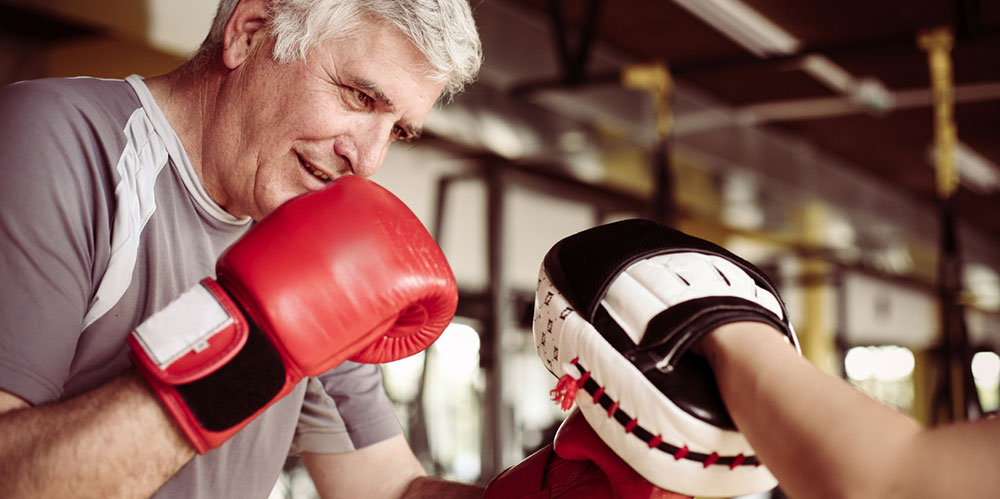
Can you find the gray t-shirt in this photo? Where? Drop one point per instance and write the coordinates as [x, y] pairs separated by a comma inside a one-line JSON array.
[[102, 222]]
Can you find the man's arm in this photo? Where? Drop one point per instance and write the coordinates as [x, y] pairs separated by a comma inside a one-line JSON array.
[[823, 438], [387, 469], [115, 441]]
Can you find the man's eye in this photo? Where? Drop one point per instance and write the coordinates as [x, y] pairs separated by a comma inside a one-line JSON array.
[[400, 133], [363, 98]]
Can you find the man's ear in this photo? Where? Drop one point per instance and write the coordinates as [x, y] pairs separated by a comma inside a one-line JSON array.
[[244, 29]]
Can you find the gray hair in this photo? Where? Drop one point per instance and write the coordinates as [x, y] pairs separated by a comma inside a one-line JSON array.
[[443, 30]]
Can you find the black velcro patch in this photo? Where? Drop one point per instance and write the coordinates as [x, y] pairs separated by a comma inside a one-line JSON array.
[[235, 391]]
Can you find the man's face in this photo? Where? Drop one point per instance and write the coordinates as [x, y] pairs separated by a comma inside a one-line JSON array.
[[287, 129]]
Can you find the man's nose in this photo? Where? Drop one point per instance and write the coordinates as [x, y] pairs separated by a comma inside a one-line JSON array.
[[372, 145]]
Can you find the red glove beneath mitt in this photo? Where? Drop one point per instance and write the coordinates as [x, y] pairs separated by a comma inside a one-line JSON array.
[[576, 465]]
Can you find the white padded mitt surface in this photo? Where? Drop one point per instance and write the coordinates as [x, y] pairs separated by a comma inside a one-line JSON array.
[[661, 441]]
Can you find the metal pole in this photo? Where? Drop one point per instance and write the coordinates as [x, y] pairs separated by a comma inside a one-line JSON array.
[[655, 79], [490, 353], [957, 399]]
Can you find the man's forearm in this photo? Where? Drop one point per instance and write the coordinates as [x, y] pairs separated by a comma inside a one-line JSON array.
[[434, 488], [115, 441]]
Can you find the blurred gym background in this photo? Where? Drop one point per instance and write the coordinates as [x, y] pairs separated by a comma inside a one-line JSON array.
[[847, 147]]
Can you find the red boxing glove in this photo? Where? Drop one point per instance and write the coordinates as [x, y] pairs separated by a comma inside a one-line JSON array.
[[344, 273], [578, 465]]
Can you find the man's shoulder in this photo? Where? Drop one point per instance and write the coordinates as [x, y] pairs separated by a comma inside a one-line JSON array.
[[67, 97], [64, 87], [58, 128]]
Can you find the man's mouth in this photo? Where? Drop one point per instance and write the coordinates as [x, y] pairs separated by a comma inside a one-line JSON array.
[[316, 172]]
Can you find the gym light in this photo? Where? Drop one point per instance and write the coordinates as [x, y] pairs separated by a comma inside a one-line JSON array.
[[986, 369], [744, 26], [884, 363]]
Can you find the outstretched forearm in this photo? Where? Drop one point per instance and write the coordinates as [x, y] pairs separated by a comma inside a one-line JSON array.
[[434, 488], [823, 438], [386, 469], [115, 441]]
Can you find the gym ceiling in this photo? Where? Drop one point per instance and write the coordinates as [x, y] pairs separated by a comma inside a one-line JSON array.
[[848, 76]]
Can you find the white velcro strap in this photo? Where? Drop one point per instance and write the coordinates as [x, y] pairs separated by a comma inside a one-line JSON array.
[[185, 324]]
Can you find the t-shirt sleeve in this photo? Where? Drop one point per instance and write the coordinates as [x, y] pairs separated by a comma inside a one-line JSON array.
[[344, 409], [48, 207]]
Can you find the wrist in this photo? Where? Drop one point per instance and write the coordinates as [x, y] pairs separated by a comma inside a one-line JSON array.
[[146, 405], [737, 336]]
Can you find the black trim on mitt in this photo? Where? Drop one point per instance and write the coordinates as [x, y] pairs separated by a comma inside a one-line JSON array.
[[631, 425]]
